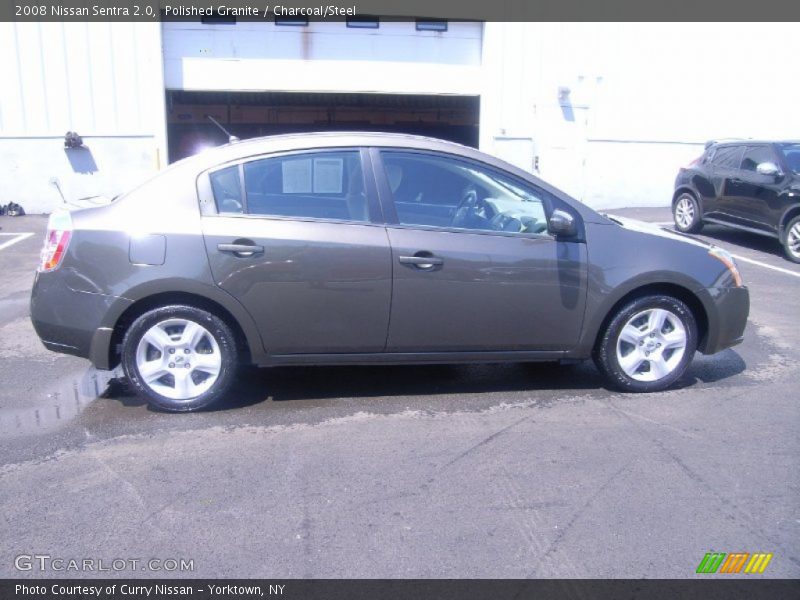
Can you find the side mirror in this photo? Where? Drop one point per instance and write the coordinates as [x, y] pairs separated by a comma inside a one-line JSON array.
[[562, 224], [768, 168]]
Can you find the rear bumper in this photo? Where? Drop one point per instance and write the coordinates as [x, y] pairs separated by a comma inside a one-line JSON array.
[[727, 310], [69, 321]]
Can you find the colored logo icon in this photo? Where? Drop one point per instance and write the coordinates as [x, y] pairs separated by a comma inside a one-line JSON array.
[[738, 562]]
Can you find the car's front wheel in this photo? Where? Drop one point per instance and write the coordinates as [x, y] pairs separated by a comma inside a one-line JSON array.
[[791, 240], [648, 344], [686, 214], [180, 358]]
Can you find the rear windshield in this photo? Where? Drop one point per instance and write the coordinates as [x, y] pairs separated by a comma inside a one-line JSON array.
[[791, 153]]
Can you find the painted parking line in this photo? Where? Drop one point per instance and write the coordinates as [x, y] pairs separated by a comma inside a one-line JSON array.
[[17, 237], [765, 265]]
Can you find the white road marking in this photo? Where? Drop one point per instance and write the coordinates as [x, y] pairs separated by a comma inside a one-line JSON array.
[[765, 265], [18, 238]]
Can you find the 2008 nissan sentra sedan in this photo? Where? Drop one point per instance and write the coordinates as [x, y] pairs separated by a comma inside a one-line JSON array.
[[370, 249]]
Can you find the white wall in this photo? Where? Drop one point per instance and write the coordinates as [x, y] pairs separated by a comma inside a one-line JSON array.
[[323, 57], [103, 80], [644, 98]]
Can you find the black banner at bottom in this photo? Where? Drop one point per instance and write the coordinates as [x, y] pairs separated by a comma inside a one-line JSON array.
[[398, 589]]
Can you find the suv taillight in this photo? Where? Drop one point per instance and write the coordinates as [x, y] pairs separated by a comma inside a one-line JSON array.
[[56, 241], [695, 162]]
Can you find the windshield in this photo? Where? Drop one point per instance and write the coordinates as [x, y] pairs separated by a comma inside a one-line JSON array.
[[791, 153]]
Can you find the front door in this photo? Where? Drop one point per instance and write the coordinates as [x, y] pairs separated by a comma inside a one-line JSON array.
[[757, 196], [474, 266], [296, 239]]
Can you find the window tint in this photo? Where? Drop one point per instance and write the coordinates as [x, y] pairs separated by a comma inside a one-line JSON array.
[[444, 192], [227, 190], [727, 157], [323, 185], [755, 155], [791, 152]]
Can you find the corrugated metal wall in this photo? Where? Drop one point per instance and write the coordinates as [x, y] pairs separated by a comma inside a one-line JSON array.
[[103, 80]]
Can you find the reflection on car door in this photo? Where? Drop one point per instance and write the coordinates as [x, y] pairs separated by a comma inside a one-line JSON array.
[[757, 196], [302, 249], [474, 288], [724, 169]]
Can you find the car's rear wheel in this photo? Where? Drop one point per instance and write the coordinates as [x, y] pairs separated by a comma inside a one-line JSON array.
[[648, 344], [180, 358], [791, 240], [686, 214]]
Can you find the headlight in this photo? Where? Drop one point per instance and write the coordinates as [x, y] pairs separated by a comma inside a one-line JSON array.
[[726, 259]]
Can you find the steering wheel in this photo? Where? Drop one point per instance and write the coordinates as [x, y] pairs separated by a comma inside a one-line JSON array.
[[466, 207]]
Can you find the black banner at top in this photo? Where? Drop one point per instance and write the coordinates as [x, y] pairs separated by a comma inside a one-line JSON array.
[[338, 10], [400, 589]]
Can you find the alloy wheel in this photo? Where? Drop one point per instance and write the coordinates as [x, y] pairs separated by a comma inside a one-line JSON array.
[[684, 212], [651, 344], [178, 359]]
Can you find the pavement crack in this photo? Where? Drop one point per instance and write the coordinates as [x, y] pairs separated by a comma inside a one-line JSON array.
[[483, 442]]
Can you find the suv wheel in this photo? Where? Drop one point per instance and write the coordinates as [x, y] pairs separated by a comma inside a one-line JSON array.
[[180, 358], [686, 214], [648, 344], [791, 240]]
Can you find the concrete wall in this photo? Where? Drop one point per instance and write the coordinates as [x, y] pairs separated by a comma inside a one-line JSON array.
[[643, 98], [103, 80]]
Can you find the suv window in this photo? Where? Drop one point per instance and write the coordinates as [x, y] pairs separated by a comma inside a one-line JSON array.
[[727, 157], [755, 155], [432, 190], [322, 185]]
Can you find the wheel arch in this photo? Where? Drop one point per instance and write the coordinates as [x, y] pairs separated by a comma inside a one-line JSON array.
[[788, 215], [684, 189], [244, 342], [680, 292]]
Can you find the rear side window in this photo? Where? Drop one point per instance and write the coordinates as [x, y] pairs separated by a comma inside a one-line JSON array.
[[727, 157], [319, 185], [755, 155], [227, 190]]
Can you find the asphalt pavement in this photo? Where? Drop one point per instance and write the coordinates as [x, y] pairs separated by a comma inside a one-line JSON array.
[[508, 470]]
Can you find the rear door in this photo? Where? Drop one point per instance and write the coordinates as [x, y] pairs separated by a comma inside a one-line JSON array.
[[297, 238], [474, 266], [724, 168]]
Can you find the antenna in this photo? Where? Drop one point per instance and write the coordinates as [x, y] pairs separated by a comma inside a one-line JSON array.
[[231, 138]]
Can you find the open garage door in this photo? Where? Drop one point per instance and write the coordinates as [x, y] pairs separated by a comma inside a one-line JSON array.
[[252, 114]]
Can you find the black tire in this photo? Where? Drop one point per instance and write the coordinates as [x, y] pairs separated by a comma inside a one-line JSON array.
[[687, 202], [223, 342], [606, 355], [791, 240]]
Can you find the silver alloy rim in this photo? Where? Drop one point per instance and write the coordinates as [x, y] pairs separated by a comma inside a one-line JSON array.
[[684, 212], [793, 240], [651, 345], [178, 359]]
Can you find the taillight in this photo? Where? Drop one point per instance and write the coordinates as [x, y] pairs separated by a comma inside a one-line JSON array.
[[56, 241], [695, 162]]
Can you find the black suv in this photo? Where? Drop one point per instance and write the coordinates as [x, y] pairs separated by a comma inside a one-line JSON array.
[[749, 185]]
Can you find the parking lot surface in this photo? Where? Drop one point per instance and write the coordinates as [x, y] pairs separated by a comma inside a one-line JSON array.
[[505, 470]]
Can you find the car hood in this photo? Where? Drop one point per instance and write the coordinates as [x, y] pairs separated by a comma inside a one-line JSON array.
[[653, 229]]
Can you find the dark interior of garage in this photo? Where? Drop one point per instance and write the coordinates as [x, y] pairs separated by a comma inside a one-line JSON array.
[[252, 114]]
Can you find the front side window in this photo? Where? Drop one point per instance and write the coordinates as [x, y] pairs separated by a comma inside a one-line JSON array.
[[437, 191], [791, 152], [320, 185], [755, 155]]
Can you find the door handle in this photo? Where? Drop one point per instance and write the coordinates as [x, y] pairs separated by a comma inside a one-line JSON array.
[[421, 260], [241, 250]]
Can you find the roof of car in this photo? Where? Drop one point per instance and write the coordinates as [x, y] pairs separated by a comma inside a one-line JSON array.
[[739, 142]]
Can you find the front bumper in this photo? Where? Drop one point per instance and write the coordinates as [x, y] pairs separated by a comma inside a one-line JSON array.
[[727, 310]]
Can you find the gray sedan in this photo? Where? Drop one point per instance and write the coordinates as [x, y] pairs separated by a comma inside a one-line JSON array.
[[363, 248]]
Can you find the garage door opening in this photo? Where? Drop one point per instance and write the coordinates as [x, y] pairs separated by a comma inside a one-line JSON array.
[[252, 114]]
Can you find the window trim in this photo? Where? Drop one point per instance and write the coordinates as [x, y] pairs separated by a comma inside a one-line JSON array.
[[549, 201], [435, 25], [208, 203]]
